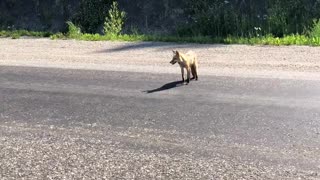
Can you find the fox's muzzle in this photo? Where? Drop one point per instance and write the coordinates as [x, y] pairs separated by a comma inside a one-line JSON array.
[[173, 62]]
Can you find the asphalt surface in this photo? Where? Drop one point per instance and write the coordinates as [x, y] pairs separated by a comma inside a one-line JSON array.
[[85, 124]]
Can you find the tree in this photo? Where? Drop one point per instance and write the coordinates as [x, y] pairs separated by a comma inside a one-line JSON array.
[[114, 21]]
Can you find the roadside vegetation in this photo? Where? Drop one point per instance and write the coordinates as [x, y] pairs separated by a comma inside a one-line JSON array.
[[288, 22], [15, 34], [294, 39]]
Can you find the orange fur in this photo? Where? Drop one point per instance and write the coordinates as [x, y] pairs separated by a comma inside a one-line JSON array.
[[186, 61]]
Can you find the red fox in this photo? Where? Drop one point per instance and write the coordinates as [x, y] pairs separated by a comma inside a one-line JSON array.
[[188, 61]]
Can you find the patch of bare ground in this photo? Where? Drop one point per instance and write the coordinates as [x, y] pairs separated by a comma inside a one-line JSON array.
[[291, 62]]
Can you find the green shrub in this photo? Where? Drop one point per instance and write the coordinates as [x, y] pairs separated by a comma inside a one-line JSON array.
[[315, 41], [315, 29], [220, 18], [134, 30], [91, 14], [114, 21], [15, 36], [74, 31], [57, 36], [3, 33], [93, 37]]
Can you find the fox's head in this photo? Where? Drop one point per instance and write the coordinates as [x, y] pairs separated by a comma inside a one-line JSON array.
[[175, 58]]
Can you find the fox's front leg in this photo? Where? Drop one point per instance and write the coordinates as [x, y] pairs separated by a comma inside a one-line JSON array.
[[182, 74]]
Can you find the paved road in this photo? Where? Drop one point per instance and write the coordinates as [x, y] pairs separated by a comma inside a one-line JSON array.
[[82, 124]]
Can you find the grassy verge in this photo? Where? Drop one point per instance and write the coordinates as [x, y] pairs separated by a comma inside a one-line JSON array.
[[264, 40], [15, 34]]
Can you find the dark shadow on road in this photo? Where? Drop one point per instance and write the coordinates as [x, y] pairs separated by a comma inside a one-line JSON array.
[[167, 86], [139, 45], [161, 45]]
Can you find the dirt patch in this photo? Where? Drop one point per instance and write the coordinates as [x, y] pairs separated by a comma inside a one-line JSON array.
[[300, 62]]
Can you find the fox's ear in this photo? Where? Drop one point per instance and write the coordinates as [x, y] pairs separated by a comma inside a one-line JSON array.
[[177, 53], [174, 52]]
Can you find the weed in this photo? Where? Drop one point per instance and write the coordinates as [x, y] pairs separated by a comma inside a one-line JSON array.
[[74, 32]]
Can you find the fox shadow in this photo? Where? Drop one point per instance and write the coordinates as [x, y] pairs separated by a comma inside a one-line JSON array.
[[167, 86]]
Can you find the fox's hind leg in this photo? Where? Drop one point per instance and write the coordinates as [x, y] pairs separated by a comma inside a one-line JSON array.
[[193, 72], [195, 69]]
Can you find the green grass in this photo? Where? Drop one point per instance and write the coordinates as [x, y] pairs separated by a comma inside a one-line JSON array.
[[275, 41], [133, 38], [294, 39], [265, 40]]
